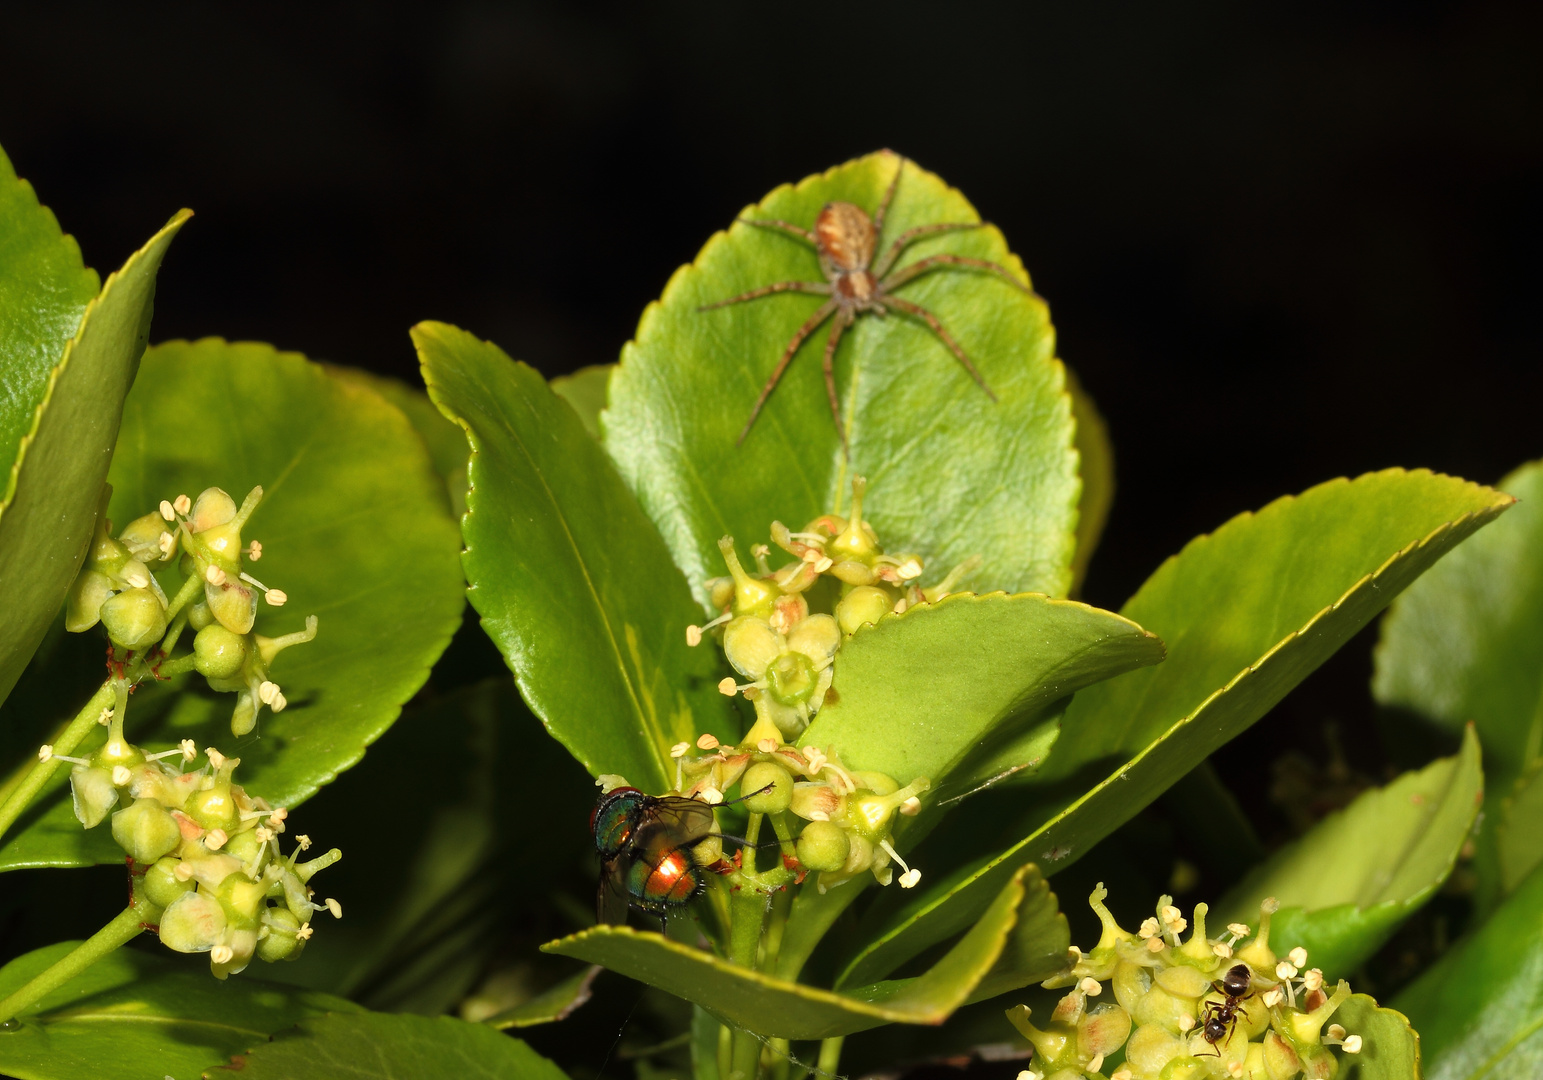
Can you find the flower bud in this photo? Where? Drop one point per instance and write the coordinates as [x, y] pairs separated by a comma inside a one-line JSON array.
[[233, 955], [218, 652], [232, 605], [1184, 981], [146, 831], [199, 615], [193, 922], [1280, 1060], [142, 537], [817, 802], [823, 845], [852, 572], [214, 808], [791, 678], [864, 604], [751, 595], [93, 792], [857, 541], [1102, 1030], [243, 846], [280, 942], [751, 645], [83, 607], [242, 899], [135, 618], [214, 507], [1151, 1048], [708, 852], [162, 885], [767, 774]]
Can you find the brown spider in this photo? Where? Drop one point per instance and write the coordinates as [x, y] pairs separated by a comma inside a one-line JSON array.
[[845, 239]]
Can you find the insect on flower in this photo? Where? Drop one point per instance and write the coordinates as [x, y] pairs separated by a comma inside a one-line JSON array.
[[1221, 1017], [845, 239]]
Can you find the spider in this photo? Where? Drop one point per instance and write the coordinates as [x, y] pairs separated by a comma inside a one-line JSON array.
[[845, 239]]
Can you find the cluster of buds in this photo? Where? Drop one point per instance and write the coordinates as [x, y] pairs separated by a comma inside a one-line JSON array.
[[1191, 1009], [204, 854], [217, 599], [767, 629], [844, 817]]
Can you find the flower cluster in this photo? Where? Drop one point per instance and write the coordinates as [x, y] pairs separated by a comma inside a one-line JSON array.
[[845, 817], [217, 598], [767, 629], [205, 853], [1202, 1008]]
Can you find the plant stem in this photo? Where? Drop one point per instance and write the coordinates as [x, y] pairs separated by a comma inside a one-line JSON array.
[[22, 795], [120, 931], [830, 1055], [749, 911]]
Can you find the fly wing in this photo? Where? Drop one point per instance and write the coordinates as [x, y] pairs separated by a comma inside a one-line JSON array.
[[611, 901], [677, 821]]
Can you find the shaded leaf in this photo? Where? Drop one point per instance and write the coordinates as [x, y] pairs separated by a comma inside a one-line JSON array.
[[137, 1013], [1347, 884], [571, 580], [552, 1004], [382, 1046], [53, 493], [951, 474], [1095, 455], [1519, 840], [1390, 1048], [955, 689], [586, 391], [1247, 612], [1479, 1008], [1037, 947], [445, 441], [770, 1006]]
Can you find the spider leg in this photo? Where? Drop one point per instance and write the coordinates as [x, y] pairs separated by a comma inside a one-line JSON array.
[[910, 236], [933, 262], [889, 195], [802, 332], [786, 226], [836, 330], [815, 287], [937, 328]]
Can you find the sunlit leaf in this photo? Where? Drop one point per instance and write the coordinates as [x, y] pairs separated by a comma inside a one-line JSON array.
[[445, 441]]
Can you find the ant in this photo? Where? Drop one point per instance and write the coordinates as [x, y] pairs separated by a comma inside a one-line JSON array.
[[845, 239], [1221, 1017]]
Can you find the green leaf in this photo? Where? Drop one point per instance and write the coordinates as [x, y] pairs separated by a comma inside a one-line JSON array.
[[951, 474], [1479, 1009], [958, 689], [1519, 841], [1390, 1048], [140, 1013], [1095, 454], [1037, 947], [586, 391], [775, 1007], [552, 1004], [381, 1046], [1466, 644], [1347, 884], [445, 441], [353, 527], [55, 486], [572, 582], [1247, 612], [44, 290]]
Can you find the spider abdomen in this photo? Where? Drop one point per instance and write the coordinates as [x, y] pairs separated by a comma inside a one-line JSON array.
[[845, 236]]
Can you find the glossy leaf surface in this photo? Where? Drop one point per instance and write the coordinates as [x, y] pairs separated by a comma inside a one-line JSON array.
[[571, 580], [586, 391], [1347, 884], [445, 441], [54, 489], [1390, 1048], [1479, 1008], [769, 1006], [354, 528], [1247, 612], [382, 1046], [1095, 455], [951, 691], [139, 1013], [951, 474]]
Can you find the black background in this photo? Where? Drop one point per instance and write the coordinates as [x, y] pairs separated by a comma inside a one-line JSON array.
[[1281, 242]]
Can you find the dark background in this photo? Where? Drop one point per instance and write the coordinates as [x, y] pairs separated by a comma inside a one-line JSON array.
[[1281, 242]]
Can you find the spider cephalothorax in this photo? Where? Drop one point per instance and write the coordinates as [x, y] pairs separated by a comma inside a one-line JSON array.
[[846, 239]]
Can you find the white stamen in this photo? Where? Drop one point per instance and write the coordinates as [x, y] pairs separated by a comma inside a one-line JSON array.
[[707, 742], [913, 569], [105, 717], [727, 687], [767, 746], [1096, 1064], [1237, 929], [278, 816], [823, 565], [222, 954], [166, 543], [911, 807], [262, 834], [1154, 944], [279, 703], [1313, 980], [1336, 1032], [1271, 998], [304, 933], [215, 839], [182, 505], [909, 879], [136, 579], [1223, 950], [1030, 1074], [1091, 987], [334, 907], [182, 872], [121, 776], [254, 551], [1353, 1045], [267, 692], [1186, 1021], [679, 749], [1149, 929], [303, 842], [815, 759], [216, 758], [45, 752], [276, 597], [1285, 970], [1298, 957], [818, 815], [167, 512], [250, 580], [214, 575], [693, 635]]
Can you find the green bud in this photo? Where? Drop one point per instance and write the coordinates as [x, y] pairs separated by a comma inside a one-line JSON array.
[[146, 831], [857, 541], [115, 752], [232, 605], [142, 537], [876, 782], [199, 615], [280, 942], [83, 608], [863, 605], [135, 618], [244, 717], [213, 507], [1184, 981], [193, 922], [93, 793], [1151, 1048], [214, 808], [243, 846], [751, 595], [242, 898], [823, 845], [162, 886], [852, 572], [790, 678], [708, 852], [218, 652], [767, 774], [1102, 1030]]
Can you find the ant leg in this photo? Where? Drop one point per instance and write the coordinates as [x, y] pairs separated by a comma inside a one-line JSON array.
[[937, 328], [932, 262], [910, 236], [836, 330], [786, 226], [813, 287], [802, 332], [889, 195]]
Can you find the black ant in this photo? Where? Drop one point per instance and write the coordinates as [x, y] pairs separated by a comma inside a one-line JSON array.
[[1221, 1017]]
